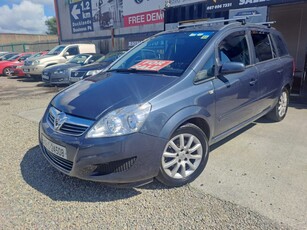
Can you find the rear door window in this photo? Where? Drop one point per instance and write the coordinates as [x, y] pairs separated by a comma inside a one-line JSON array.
[[262, 45]]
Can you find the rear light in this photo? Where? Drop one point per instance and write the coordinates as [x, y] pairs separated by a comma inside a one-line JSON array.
[[293, 69]]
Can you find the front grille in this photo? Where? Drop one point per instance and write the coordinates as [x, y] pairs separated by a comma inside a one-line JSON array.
[[77, 74], [72, 125], [114, 166], [73, 129], [64, 164]]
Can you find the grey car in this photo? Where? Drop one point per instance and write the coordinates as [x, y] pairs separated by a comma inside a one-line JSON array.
[[59, 74], [155, 112]]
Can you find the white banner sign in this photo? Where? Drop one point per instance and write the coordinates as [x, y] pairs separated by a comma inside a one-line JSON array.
[[140, 6], [181, 2]]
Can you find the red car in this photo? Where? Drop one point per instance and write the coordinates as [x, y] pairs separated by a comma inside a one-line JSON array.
[[6, 66], [16, 69]]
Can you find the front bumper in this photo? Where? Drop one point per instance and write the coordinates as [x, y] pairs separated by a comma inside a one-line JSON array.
[[119, 160], [56, 79], [18, 72], [33, 69]]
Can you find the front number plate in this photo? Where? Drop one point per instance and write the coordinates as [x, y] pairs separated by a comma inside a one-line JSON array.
[[45, 77], [54, 148]]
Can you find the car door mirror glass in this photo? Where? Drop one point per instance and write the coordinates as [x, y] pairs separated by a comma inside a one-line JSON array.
[[232, 67]]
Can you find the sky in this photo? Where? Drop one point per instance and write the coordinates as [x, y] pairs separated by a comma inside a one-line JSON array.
[[25, 16]]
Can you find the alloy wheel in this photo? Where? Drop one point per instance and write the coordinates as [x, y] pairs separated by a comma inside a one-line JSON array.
[[182, 156], [283, 104]]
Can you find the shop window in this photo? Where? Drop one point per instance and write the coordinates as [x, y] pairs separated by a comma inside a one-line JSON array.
[[199, 8], [182, 14], [263, 49]]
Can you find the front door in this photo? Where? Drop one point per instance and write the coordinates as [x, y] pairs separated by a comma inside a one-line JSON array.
[[236, 94]]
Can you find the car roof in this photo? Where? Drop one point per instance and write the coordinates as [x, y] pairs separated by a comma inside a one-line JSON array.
[[219, 25]]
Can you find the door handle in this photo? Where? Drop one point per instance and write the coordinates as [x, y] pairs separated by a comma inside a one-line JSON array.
[[253, 82]]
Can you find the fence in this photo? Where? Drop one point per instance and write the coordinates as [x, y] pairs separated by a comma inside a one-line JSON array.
[[29, 47]]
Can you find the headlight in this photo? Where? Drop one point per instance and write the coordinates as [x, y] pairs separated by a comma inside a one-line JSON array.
[[36, 62], [122, 121], [93, 72], [59, 71]]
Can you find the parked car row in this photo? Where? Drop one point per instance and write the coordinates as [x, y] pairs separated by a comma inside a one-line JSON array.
[[64, 64], [10, 63], [78, 68]]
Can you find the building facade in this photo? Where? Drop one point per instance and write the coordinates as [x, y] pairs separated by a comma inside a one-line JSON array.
[[119, 24]]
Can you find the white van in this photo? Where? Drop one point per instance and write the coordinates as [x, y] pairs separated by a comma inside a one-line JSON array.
[[59, 54]]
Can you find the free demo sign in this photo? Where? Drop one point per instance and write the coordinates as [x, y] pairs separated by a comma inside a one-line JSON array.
[[81, 16]]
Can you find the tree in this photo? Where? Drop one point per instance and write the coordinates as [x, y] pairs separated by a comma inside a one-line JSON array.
[[51, 26]]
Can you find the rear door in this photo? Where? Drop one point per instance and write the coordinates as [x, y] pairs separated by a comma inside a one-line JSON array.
[[237, 93], [269, 68]]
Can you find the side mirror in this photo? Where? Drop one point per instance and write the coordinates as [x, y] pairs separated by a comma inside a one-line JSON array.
[[66, 54], [232, 67]]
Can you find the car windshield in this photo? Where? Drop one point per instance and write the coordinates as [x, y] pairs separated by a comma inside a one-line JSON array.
[[110, 57], [35, 55], [168, 54], [13, 57], [56, 50], [8, 56], [79, 59]]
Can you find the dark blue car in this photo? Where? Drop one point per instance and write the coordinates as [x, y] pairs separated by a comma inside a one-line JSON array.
[[156, 110]]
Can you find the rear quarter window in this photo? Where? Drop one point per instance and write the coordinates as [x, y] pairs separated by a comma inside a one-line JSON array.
[[280, 45]]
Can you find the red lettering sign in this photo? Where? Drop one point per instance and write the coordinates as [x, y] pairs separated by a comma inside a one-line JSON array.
[[150, 17], [152, 65]]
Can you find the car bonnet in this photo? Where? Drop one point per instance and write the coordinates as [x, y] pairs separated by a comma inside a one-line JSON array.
[[105, 92]]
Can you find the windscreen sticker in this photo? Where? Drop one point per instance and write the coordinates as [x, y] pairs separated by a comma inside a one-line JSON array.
[[152, 65], [202, 35]]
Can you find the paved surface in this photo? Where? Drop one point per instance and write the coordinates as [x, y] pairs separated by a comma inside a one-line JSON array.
[[21, 87], [264, 168], [34, 195]]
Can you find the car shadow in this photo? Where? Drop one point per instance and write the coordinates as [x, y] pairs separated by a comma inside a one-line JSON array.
[[15, 77], [28, 79], [299, 105], [232, 136], [40, 175]]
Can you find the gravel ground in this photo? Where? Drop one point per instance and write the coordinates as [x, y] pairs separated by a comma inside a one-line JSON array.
[[33, 195]]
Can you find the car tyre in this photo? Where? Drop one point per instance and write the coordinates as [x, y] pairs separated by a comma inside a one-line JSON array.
[[184, 157], [7, 72], [279, 111]]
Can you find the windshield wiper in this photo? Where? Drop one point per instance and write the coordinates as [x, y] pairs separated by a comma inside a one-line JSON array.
[[132, 71]]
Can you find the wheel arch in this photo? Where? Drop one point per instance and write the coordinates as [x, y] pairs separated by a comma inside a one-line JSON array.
[[194, 115], [288, 87], [50, 64]]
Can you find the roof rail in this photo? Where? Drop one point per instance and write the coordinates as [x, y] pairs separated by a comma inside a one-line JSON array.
[[194, 23], [268, 24]]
